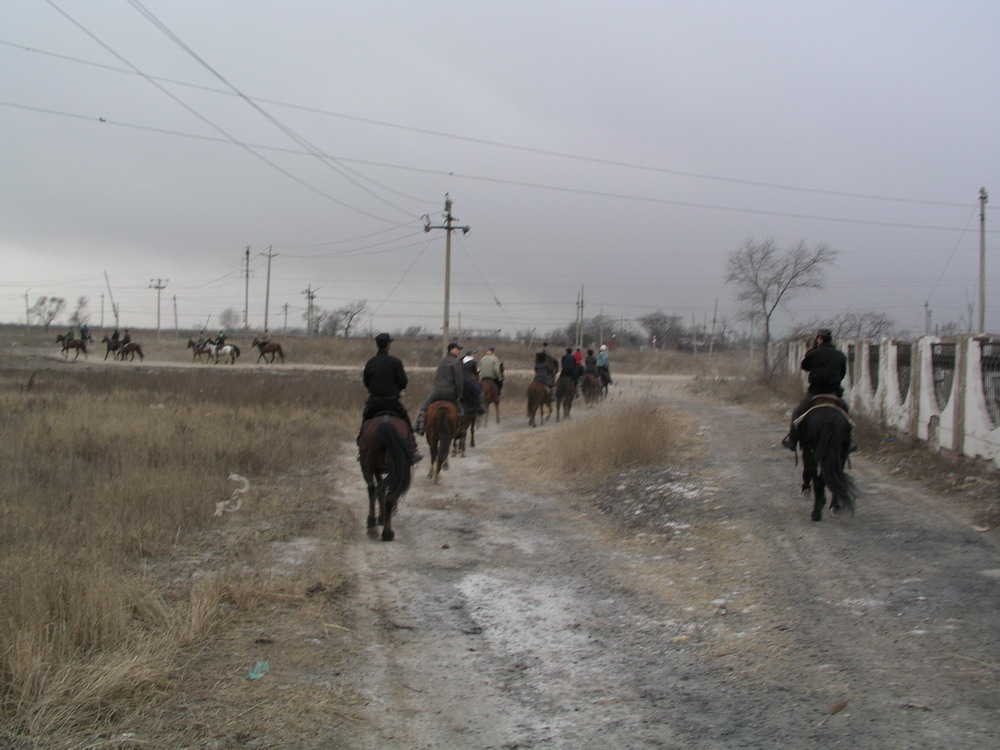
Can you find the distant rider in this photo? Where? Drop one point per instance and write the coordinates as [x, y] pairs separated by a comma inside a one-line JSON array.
[[604, 365], [827, 367], [491, 368]]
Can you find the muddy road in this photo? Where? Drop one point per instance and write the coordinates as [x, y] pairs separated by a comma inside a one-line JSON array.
[[693, 605]]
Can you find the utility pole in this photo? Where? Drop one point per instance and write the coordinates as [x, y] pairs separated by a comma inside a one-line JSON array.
[[27, 315], [927, 319], [449, 220], [711, 340], [983, 200], [285, 308], [267, 293], [102, 311], [114, 307], [246, 293], [177, 328], [579, 319], [159, 285], [310, 296]]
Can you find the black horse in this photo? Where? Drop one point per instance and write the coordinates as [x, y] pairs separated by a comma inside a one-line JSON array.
[[385, 464], [825, 436]]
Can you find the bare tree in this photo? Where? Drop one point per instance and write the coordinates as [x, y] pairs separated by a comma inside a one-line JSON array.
[[230, 318], [666, 329], [349, 314], [849, 324], [47, 309], [80, 316], [765, 277]]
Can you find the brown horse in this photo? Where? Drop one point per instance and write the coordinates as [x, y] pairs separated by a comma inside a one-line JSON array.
[[130, 350], [591, 387], [384, 453], [206, 350], [467, 425], [491, 395], [80, 346], [442, 426], [538, 399], [565, 393], [268, 347]]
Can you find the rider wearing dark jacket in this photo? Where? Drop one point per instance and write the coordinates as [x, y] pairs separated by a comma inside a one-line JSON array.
[[568, 365], [385, 379], [827, 367], [448, 383]]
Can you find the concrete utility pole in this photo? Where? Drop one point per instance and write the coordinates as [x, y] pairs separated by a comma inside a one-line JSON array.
[[159, 285], [267, 293], [177, 328], [449, 220], [285, 308], [579, 319], [246, 294], [983, 200]]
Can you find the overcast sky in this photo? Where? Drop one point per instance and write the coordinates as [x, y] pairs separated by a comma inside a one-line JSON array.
[[623, 147]]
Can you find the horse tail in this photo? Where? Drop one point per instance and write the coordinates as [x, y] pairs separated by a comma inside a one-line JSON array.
[[237, 349], [831, 453], [138, 350], [444, 433], [397, 456]]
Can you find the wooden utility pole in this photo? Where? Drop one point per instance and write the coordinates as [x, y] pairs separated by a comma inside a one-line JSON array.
[[246, 294], [159, 285], [983, 200], [267, 293], [449, 221]]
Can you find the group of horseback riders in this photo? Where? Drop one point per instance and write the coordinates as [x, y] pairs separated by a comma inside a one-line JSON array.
[[456, 376], [218, 341], [573, 365]]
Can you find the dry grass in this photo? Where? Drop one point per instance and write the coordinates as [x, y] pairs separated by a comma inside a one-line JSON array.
[[110, 565], [585, 450]]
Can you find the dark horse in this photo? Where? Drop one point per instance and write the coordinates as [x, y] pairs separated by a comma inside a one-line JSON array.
[[825, 436], [67, 344], [112, 347], [491, 395], [384, 454], [268, 347], [442, 426], [206, 350], [130, 350], [467, 425], [565, 393], [591, 387], [538, 400]]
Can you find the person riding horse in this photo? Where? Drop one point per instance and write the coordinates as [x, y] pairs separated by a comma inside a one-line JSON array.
[[448, 384], [570, 369], [543, 373], [827, 367], [385, 379], [470, 377], [604, 365], [491, 368]]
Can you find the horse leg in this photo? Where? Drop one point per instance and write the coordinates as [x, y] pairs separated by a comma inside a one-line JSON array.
[[385, 516], [472, 434], [819, 495], [372, 521]]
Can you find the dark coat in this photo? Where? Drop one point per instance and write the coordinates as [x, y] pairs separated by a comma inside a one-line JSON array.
[[448, 378], [569, 366], [384, 377], [827, 367]]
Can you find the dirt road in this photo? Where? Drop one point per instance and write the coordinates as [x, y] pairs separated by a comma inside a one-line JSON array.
[[696, 608]]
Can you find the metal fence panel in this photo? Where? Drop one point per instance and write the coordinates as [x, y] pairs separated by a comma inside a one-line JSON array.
[[943, 368], [904, 359]]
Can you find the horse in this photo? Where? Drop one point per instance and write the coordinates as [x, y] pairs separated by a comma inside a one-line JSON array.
[[130, 350], [67, 344], [491, 395], [384, 454], [467, 426], [112, 347], [565, 392], [205, 350], [227, 351], [268, 347], [591, 387], [825, 436], [442, 426], [538, 399]]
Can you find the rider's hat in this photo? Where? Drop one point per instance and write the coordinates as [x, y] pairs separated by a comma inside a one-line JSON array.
[[604, 347], [454, 345], [383, 338], [490, 348]]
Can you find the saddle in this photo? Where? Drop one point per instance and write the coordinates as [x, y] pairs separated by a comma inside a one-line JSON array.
[[829, 401]]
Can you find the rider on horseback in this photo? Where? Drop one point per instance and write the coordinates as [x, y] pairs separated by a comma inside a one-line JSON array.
[[448, 382], [491, 368], [543, 374], [827, 367], [385, 379], [470, 378], [604, 365]]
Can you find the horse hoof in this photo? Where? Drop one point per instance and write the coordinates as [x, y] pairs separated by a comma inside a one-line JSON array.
[[371, 522], [387, 535], [817, 516]]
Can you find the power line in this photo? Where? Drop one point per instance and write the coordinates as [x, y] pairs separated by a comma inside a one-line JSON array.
[[232, 139], [504, 145]]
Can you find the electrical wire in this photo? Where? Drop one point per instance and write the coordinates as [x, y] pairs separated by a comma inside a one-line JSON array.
[[504, 145], [231, 138]]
